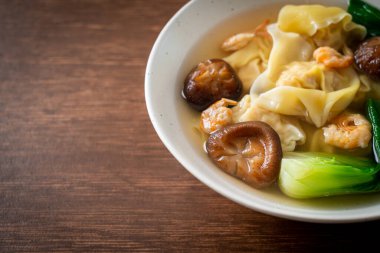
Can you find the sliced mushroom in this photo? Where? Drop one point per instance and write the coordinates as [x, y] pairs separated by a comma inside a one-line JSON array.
[[210, 81], [250, 151]]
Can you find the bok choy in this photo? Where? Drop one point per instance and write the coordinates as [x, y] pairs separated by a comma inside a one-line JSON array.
[[366, 15], [373, 114], [310, 175]]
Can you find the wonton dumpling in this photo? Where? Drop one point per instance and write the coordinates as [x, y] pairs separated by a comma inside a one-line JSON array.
[[250, 72], [317, 106], [310, 19], [287, 47], [311, 75], [289, 130], [250, 61], [306, 75]]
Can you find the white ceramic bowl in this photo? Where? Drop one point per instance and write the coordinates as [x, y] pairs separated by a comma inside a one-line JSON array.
[[192, 35]]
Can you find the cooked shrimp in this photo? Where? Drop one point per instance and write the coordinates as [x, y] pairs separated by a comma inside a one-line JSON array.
[[261, 30], [237, 41], [348, 131], [217, 115], [240, 40], [331, 58]]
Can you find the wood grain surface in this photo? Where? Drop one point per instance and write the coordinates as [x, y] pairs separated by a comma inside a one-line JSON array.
[[81, 167]]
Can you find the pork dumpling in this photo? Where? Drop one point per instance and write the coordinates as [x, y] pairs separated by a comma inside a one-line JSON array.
[[308, 75], [328, 26], [289, 129], [250, 61], [334, 91]]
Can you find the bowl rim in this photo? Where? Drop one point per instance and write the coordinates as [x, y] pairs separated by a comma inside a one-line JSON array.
[[288, 213]]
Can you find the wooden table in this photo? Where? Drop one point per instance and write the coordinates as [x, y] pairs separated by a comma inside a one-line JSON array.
[[81, 167]]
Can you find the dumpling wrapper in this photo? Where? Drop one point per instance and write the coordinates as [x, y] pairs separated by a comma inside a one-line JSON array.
[[308, 19], [250, 61], [316, 106], [289, 129]]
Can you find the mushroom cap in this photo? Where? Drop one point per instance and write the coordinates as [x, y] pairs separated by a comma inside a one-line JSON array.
[[210, 81], [367, 57], [250, 151]]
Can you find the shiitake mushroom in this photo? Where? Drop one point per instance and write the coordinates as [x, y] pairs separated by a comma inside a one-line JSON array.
[[250, 151], [367, 57], [210, 81]]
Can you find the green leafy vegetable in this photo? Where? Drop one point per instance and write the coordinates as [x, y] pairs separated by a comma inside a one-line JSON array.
[[310, 175], [373, 113], [366, 15]]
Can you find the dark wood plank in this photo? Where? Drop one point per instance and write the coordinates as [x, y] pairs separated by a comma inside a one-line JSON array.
[[81, 168]]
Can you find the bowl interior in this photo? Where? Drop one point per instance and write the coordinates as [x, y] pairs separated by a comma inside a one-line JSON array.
[[192, 35]]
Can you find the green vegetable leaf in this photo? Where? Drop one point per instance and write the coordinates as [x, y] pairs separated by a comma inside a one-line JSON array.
[[366, 15], [373, 114], [310, 175]]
